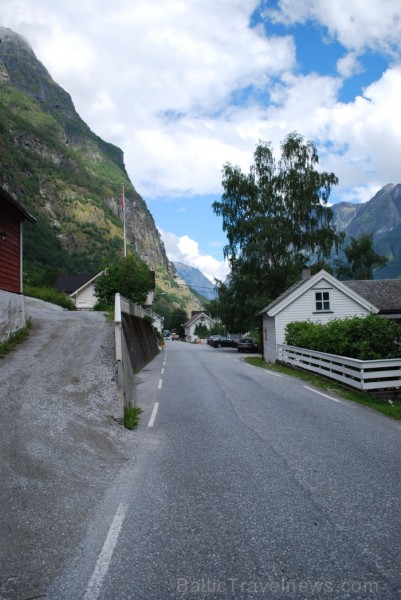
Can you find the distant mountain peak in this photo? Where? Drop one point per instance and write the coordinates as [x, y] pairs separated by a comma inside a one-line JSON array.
[[380, 216], [196, 280]]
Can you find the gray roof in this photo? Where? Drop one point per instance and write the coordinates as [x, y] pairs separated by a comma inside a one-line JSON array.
[[385, 294]]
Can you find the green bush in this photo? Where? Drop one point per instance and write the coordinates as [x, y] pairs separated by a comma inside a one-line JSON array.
[[365, 338], [50, 295]]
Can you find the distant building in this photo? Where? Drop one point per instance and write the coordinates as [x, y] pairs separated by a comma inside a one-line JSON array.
[[198, 317]]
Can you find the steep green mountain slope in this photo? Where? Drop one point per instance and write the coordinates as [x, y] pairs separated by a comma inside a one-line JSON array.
[[64, 174], [381, 216]]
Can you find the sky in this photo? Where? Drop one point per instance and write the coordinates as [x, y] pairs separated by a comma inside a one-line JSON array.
[[185, 86]]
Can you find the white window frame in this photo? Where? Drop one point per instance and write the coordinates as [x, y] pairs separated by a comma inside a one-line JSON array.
[[322, 298]]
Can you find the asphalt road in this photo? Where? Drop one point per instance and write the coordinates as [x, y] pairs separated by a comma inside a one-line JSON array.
[[244, 485]]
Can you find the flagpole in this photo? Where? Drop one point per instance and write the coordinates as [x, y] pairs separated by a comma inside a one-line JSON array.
[[125, 233]]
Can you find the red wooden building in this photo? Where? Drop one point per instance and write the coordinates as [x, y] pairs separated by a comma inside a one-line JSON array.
[[12, 216]]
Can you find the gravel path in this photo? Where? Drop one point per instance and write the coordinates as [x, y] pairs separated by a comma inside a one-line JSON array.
[[60, 447]]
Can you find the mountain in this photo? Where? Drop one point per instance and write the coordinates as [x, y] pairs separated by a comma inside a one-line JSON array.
[[65, 175], [196, 280], [381, 215]]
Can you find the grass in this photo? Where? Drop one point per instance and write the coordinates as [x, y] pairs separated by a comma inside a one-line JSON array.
[[131, 416], [393, 411], [14, 340], [49, 295]]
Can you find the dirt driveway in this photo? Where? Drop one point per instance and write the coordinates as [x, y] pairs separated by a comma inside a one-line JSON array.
[[60, 447]]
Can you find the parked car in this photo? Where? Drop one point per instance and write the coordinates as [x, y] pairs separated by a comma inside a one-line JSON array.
[[223, 342], [212, 338], [247, 345]]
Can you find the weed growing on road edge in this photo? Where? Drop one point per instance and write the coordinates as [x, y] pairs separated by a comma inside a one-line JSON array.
[[14, 339], [393, 411], [131, 416]]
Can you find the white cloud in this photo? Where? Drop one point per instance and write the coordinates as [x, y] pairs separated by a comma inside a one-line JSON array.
[[161, 79], [357, 25], [186, 250], [349, 65], [156, 77]]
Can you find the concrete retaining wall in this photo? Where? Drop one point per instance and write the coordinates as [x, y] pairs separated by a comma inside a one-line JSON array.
[[136, 345], [12, 313]]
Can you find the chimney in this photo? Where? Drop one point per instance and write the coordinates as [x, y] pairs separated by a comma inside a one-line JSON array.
[[305, 272]]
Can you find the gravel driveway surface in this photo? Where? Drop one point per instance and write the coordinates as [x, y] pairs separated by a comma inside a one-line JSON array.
[[60, 447]]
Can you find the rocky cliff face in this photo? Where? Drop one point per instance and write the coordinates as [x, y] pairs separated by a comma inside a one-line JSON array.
[[67, 176], [380, 216]]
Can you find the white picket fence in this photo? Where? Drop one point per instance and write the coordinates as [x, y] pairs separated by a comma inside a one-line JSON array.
[[361, 374]]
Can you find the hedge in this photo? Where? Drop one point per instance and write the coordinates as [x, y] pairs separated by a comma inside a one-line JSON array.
[[365, 338]]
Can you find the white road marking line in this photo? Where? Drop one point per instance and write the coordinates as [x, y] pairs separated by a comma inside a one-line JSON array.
[[320, 394], [159, 387], [103, 561], [153, 415], [162, 372], [272, 373]]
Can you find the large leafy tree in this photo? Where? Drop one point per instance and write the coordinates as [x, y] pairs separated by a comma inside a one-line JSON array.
[[128, 276], [275, 217], [361, 259]]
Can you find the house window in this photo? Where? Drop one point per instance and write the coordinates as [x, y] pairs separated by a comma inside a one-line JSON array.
[[322, 301]]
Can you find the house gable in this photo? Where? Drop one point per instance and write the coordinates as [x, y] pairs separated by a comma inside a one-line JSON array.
[[80, 287], [90, 283], [190, 325], [324, 283]]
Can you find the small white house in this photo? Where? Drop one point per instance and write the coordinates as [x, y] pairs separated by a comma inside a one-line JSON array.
[[318, 298], [197, 318], [81, 288], [158, 321]]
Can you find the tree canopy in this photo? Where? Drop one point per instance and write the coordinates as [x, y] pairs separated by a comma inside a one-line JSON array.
[[128, 276], [275, 217], [361, 259]]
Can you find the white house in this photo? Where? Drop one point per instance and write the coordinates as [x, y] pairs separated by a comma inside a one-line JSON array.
[[158, 321], [320, 298], [197, 318], [81, 288]]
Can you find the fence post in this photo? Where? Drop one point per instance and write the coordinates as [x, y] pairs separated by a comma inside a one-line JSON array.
[[119, 355]]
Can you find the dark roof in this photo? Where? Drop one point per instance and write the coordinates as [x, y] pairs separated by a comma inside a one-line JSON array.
[[385, 294], [72, 283], [6, 196]]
